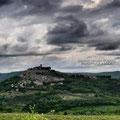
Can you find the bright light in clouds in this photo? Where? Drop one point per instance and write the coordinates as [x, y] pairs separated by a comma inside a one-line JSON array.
[[25, 6], [86, 3], [75, 2], [72, 2], [92, 4]]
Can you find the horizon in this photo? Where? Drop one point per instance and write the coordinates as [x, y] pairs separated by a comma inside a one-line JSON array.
[[68, 35], [76, 72]]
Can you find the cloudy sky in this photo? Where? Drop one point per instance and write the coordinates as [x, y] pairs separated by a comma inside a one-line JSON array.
[[68, 35]]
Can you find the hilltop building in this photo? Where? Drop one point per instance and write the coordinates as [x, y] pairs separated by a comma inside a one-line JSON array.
[[39, 76]]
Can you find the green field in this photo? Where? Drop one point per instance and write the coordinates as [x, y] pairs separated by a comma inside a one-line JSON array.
[[54, 117]]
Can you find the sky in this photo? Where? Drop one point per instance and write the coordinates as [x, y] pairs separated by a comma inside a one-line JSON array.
[[68, 35]]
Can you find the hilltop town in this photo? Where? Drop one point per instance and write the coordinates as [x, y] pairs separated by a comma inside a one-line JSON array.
[[38, 76], [42, 76]]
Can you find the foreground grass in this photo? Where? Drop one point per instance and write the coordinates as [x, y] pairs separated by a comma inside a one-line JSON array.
[[54, 117]]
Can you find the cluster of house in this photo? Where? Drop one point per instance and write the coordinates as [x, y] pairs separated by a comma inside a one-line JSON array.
[[38, 76]]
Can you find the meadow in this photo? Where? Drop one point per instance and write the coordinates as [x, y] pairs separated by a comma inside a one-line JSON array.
[[54, 117]]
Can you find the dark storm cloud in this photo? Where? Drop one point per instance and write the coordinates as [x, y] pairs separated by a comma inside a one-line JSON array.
[[43, 4], [106, 9], [63, 49], [96, 31], [104, 44], [111, 54], [51, 58], [106, 47], [20, 48], [68, 30], [4, 2], [21, 39], [23, 8], [23, 55], [66, 48], [73, 29], [5, 47], [71, 9], [31, 53], [114, 4], [44, 7]]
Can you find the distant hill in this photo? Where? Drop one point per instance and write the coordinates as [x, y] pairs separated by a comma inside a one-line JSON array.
[[4, 76], [115, 74]]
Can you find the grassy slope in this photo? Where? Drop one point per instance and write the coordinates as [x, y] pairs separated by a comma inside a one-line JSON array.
[[54, 117], [106, 110]]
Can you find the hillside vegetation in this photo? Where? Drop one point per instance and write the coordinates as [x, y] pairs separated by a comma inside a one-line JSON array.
[[77, 95], [4, 76]]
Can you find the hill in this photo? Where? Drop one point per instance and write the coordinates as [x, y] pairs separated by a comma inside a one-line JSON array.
[[4, 76], [64, 93], [115, 74]]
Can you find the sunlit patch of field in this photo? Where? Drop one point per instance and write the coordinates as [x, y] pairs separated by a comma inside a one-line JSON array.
[[71, 96], [54, 117]]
